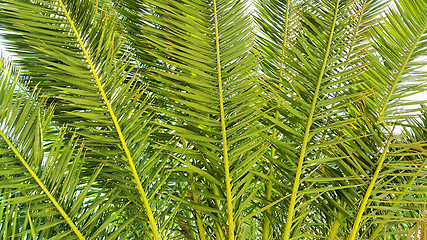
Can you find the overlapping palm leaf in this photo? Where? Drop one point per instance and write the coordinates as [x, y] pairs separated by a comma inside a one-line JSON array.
[[72, 51], [399, 41], [211, 97], [43, 192], [391, 160], [386, 173], [372, 164], [323, 52], [292, 134]]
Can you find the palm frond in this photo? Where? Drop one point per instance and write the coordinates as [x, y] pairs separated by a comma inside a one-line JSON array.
[[398, 40], [42, 189], [200, 119], [78, 69], [204, 74], [323, 56]]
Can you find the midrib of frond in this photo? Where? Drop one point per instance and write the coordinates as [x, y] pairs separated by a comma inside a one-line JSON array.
[[137, 181], [369, 191], [43, 187], [296, 184], [224, 133], [402, 68]]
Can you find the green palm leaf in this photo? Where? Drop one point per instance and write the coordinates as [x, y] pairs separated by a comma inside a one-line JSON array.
[[194, 119], [319, 81], [78, 70], [39, 172], [398, 40], [211, 95]]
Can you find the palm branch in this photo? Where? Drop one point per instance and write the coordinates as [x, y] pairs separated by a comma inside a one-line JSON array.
[[191, 119], [77, 70]]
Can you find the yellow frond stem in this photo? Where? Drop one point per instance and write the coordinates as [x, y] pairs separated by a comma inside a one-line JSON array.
[[137, 181], [224, 134], [44, 188]]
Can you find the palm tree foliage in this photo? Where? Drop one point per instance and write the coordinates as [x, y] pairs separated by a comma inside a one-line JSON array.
[[213, 119]]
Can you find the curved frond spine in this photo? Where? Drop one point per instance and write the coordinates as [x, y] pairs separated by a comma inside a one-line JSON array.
[[132, 167], [224, 133], [398, 41], [302, 156], [368, 192], [401, 70], [43, 187]]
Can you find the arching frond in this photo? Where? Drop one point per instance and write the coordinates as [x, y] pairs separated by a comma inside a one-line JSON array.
[[71, 50], [43, 191]]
